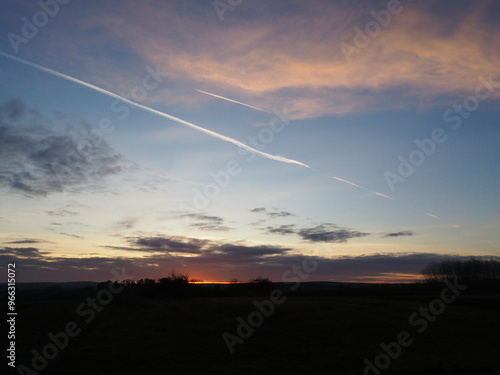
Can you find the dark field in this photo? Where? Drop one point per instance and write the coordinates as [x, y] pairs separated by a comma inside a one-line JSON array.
[[309, 333]]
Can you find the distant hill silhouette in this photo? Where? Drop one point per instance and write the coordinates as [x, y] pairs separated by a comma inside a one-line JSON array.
[[45, 285]]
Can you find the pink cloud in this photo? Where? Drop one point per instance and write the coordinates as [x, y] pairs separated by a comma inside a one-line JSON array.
[[294, 58]]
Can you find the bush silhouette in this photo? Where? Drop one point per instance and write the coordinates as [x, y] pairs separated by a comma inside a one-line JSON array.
[[260, 283], [176, 284], [175, 279], [261, 280]]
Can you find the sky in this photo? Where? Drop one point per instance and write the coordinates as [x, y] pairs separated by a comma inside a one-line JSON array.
[[246, 138]]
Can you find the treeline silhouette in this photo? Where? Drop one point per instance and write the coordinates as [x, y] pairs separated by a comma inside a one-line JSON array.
[[479, 275], [471, 271], [180, 285]]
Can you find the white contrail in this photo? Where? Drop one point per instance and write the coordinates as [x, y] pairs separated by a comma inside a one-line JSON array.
[[234, 101], [361, 187], [348, 182], [170, 117], [383, 195]]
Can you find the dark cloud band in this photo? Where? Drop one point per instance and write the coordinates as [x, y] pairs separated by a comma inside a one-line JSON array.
[[42, 155]]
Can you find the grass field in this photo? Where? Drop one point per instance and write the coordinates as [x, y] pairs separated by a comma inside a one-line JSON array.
[[304, 335]]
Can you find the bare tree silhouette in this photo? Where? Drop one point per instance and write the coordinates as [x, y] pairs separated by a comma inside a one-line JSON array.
[[468, 271]]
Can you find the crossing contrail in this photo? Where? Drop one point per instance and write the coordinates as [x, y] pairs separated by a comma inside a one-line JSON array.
[[234, 101], [390, 198], [383, 195], [348, 182], [162, 114], [361, 187]]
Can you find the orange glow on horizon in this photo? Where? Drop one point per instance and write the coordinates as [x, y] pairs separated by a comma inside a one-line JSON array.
[[388, 278], [215, 282]]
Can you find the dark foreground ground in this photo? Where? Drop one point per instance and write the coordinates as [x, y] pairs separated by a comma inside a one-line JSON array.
[[309, 333]]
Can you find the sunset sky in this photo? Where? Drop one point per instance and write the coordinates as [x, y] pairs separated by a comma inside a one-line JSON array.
[[375, 125]]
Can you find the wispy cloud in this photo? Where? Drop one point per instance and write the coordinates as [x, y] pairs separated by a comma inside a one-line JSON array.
[[127, 223], [279, 214], [61, 212], [207, 223], [403, 233], [210, 250], [167, 244], [329, 233], [295, 56], [325, 232], [272, 214], [282, 229], [23, 242], [71, 235], [22, 252]]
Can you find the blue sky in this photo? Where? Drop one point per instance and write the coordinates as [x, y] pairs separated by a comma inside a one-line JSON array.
[[349, 89]]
